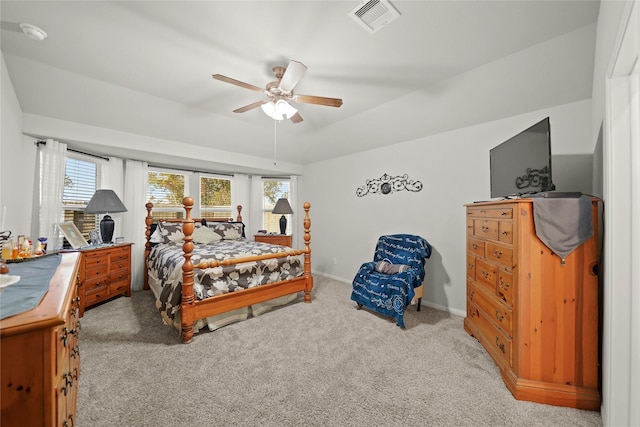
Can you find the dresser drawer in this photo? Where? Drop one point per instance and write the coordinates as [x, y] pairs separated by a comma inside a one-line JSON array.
[[505, 231], [120, 264], [94, 285], [490, 212], [475, 246], [119, 287], [96, 271], [490, 336], [120, 254], [486, 229], [469, 227], [500, 254], [505, 287], [93, 260], [471, 267], [492, 308], [97, 296], [486, 275]]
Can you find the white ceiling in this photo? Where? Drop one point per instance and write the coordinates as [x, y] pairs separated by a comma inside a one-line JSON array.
[[144, 67]]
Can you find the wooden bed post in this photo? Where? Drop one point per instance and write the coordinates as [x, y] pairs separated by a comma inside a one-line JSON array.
[[307, 254], [239, 217], [187, 314], [147, 246]]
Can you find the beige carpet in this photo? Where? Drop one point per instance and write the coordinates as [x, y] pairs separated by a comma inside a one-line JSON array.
[[318, 364]]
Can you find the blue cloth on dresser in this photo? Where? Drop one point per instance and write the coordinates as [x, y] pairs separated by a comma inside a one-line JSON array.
[[390, 294]]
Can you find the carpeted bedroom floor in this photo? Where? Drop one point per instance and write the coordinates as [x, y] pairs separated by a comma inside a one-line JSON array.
[[318, 364]]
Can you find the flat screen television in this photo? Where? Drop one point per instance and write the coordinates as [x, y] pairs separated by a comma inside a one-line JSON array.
[[522, 164]]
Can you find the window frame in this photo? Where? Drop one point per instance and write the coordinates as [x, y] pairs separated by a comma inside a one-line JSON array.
[[75, 213], [218, 211], [273, 226]]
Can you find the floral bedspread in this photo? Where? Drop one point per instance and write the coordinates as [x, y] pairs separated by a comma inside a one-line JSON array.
[[165, 266]]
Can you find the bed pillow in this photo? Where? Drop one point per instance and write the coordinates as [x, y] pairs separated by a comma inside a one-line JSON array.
[[156, 236], [205, 235], [228, 230], [171, 231], [386, 267]]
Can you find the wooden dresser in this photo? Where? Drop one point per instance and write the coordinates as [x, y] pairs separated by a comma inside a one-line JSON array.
[[105, 272], [536, 317], [40, 356]]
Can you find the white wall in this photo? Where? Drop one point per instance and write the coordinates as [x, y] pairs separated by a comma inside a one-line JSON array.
[[454, 170], [17, 162]]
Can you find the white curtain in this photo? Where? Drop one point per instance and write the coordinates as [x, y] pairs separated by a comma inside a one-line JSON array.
[[135, 196], [52, 159], [255, 211], [298, 213], [241, 195], [112, 178]]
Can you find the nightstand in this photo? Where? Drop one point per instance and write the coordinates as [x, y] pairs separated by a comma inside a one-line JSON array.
[[274, 239], [105, 272]]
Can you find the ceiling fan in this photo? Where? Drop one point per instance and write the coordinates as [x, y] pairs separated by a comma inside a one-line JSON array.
[[280, 92]]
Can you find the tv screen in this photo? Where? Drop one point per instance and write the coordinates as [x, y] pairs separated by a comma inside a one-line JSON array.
[[522, 164]]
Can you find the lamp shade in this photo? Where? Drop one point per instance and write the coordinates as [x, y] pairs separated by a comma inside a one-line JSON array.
[[103, 202], [282, 207]]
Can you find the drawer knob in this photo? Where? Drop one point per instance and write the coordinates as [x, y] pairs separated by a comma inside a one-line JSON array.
[[474, 246], [485, 228], [484, 274], [499, 316], [500, 345], [504, 285], [497, 253]]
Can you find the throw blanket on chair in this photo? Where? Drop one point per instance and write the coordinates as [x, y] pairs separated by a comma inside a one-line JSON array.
[[386, 284]]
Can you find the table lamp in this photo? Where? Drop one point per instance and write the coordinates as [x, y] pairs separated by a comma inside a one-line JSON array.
[[105, 202], [282, 207]]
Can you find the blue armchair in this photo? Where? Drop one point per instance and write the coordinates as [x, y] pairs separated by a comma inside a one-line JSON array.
[[386, 284]]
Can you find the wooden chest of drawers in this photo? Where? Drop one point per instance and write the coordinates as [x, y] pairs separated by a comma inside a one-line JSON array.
[[105, 272], [41, 357], [536, 317]]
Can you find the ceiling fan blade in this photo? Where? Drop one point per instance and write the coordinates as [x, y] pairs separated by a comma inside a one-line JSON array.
[[318, 100], [293, 74], [296, 118], [250, 106], [238, 83]]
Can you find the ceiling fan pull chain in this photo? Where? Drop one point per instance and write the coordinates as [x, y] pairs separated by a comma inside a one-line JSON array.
[[275, 140]]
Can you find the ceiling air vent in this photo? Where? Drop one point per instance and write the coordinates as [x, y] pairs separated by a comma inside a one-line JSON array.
[[374, 14]]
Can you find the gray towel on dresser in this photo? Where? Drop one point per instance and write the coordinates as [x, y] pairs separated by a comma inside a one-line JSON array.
[[563, 224]]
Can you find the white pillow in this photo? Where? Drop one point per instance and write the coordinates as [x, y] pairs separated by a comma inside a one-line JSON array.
[[205, 235], [156, 237]]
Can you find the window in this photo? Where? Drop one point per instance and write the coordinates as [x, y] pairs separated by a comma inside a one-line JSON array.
[[274, 189], [166, 191], [79, 185], [215, 197]]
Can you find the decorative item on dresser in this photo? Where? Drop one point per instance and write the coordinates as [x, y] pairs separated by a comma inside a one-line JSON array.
[[39, 352], [283, 208], [105, 272], [536, 316], [274, 239]]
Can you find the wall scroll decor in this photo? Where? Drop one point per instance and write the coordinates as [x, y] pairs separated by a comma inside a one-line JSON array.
[[388, 184]]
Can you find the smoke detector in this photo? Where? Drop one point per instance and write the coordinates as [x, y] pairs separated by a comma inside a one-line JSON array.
[[33, 32], [373, 15]]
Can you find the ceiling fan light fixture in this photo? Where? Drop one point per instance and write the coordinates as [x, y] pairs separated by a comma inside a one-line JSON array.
[[278, 110]]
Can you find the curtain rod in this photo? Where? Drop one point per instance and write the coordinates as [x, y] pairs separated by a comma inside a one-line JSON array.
[[77, 151], [189, 170]]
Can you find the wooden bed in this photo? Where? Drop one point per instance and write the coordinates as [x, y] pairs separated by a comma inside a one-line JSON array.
[[192, 309]]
